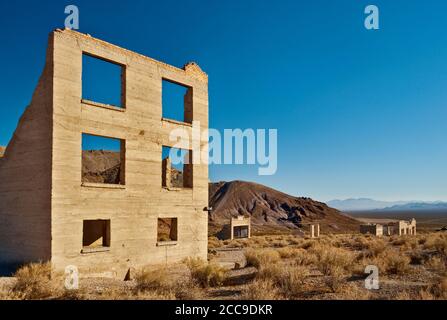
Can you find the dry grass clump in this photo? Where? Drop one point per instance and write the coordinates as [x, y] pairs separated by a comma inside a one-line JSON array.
[[290, 281], [436, 242], [437, 291], [394, 262], [335, 278], [288, 252], [436, 263], [350, 291], [280, 243], [33, 282], [304, 258], [375, 248], [152, 280], [308, 244], [260, 289], [157, 284], [286, 280], [258, 258], [401, 241], [206, 274], [333, 260], [213, 243]]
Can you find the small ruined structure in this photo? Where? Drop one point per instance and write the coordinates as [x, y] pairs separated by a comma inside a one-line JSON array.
[[399, 228], [373, 229], [48, 212], [314, 230], [238, 228]]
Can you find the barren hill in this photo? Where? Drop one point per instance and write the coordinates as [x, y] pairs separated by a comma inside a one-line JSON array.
[[272, 210]]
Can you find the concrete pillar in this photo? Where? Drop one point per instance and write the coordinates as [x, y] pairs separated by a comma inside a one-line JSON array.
[[166, 172], [312, 231], [188, 105], [187, 171], [318, 230]]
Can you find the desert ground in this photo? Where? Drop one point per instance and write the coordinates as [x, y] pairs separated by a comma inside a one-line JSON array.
[[284, 267]]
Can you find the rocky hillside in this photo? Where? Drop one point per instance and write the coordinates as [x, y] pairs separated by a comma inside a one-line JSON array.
[[272, 210], [100, 166], [2, 151]]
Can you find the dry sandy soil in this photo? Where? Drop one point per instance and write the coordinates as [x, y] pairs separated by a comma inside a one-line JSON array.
[[269, 267]]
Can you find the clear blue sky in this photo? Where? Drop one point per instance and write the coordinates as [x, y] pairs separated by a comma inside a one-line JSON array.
[[359, 113]]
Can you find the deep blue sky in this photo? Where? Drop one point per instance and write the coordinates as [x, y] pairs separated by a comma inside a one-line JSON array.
[[359, 113]]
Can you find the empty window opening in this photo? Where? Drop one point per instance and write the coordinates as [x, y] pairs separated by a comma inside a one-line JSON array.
[[96, 233], [103, 160], [240, 232], [102, 81], [167, 229], [176, 168], [176, 101]]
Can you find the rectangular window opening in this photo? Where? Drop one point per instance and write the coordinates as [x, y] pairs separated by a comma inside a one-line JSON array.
[[240, 232], [176, 168], [103, 81], [167, 229], [176, 101], [96, 234], [103, 160]]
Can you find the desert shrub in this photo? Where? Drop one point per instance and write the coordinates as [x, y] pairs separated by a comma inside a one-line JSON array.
[[187, 289], [436, 263], [437, 291], [152, 280], [375, 248], [206, 274], [395, 262], [441, 247], [258, 258], [400, 241], [280, 243], [361, 243], [287, 253], [437, 242], [331, 259], [259, 241], [403, 295], [213, 243], [157, 284], [335, 278], [290, 281], [304, 258], [294, 241], [351, 291], [33, 281], [308, 244], [260, 289], [417, 257]]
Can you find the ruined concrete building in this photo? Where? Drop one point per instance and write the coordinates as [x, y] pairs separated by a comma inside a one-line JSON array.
[[399, 228], [48, 212]]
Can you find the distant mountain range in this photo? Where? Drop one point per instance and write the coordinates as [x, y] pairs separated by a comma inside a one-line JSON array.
[[366, 204]]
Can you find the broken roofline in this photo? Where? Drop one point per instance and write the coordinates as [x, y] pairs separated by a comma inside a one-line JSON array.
[[191, 67]]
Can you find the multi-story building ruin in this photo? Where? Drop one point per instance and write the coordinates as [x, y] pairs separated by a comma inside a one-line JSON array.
[[48, 212]]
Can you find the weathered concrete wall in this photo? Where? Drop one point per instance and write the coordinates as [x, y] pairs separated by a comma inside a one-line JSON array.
[[25, 175], [133, 209]]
